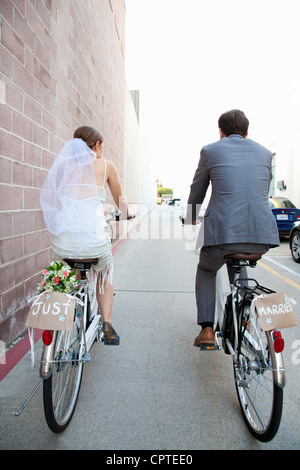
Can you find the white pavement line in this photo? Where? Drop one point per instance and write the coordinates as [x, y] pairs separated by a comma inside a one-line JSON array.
[[283, 267]]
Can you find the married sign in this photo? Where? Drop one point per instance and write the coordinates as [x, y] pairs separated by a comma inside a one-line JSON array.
[[275, 311], [52, 311]]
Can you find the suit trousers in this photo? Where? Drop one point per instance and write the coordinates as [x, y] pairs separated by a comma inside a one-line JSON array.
[[211, 259]]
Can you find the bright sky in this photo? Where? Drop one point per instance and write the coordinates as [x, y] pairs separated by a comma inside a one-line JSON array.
[[194, 59]]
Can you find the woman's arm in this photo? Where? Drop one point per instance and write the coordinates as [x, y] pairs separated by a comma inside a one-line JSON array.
[[116, 190]]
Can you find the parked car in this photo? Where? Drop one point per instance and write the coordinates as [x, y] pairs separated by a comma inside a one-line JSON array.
[[285, 213], [295, 242], [173, 201]]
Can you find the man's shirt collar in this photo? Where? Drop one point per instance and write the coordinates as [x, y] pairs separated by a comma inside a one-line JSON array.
[[232, 136]]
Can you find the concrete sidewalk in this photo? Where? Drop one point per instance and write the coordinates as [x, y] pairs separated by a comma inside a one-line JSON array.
[[155, 390]]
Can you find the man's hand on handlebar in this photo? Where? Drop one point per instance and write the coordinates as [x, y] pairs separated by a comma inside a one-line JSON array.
[[183, 221]]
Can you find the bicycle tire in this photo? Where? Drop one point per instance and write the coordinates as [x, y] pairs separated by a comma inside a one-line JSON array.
[[61, 388], [260, 397]]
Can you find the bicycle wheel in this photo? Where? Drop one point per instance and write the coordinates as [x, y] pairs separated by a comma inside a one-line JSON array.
[[259, 395], [61, 389]]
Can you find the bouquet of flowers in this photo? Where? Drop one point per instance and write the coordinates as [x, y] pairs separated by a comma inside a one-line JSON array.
[[58, 277]]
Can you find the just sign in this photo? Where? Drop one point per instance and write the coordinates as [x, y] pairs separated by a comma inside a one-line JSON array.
[[52, 311]]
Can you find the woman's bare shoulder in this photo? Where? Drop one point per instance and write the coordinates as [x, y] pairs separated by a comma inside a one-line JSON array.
[[111, 168], [110, 164]]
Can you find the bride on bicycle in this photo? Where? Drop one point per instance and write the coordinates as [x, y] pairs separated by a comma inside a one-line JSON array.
[[72, 200]]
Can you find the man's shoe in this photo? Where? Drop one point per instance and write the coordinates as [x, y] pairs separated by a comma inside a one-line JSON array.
[[206, 337]]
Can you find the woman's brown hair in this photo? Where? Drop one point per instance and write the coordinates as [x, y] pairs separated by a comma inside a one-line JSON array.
[[90, 135]]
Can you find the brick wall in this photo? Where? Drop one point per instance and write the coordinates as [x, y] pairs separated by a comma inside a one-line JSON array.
[[61, 66]]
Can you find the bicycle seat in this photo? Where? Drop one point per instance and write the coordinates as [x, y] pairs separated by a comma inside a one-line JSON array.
[[81, 264], [244, 256], [240, 259]]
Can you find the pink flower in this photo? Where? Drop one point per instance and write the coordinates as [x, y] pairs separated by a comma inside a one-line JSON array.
[[45, 272], [66, 274], [56, 280], [43, 283]]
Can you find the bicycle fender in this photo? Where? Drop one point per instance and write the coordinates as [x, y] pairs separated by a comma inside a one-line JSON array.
[[278, 370], [46, 358]]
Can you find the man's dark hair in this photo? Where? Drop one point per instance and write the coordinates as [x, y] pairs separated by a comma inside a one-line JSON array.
[[233, 122]]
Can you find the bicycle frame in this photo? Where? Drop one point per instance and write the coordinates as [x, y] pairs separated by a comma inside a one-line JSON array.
[[278, 371], [93, 331], [219, 334]]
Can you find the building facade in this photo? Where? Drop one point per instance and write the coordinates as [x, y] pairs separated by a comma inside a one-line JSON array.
[[61, 66], [285, 146], [286, 166]]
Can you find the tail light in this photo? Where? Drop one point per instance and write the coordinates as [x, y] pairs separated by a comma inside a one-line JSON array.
[[47, 337], [278, 341]]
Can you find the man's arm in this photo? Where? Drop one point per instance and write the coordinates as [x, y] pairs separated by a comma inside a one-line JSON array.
[[198, 190]]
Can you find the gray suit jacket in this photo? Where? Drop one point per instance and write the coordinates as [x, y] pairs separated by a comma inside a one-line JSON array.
[[239, 171]]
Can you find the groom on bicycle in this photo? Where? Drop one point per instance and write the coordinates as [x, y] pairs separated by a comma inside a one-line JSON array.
[[238, 218]]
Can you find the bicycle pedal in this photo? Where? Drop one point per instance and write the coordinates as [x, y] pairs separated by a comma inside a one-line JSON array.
[[209, 347], [115, 341]]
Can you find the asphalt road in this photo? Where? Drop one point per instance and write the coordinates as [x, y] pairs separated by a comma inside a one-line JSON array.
[[156, 391]]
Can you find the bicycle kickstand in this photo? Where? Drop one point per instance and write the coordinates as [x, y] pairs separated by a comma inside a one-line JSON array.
[[17, 413]]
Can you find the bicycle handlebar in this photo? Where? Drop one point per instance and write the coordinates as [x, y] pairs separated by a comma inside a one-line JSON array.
[[115, 214]]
